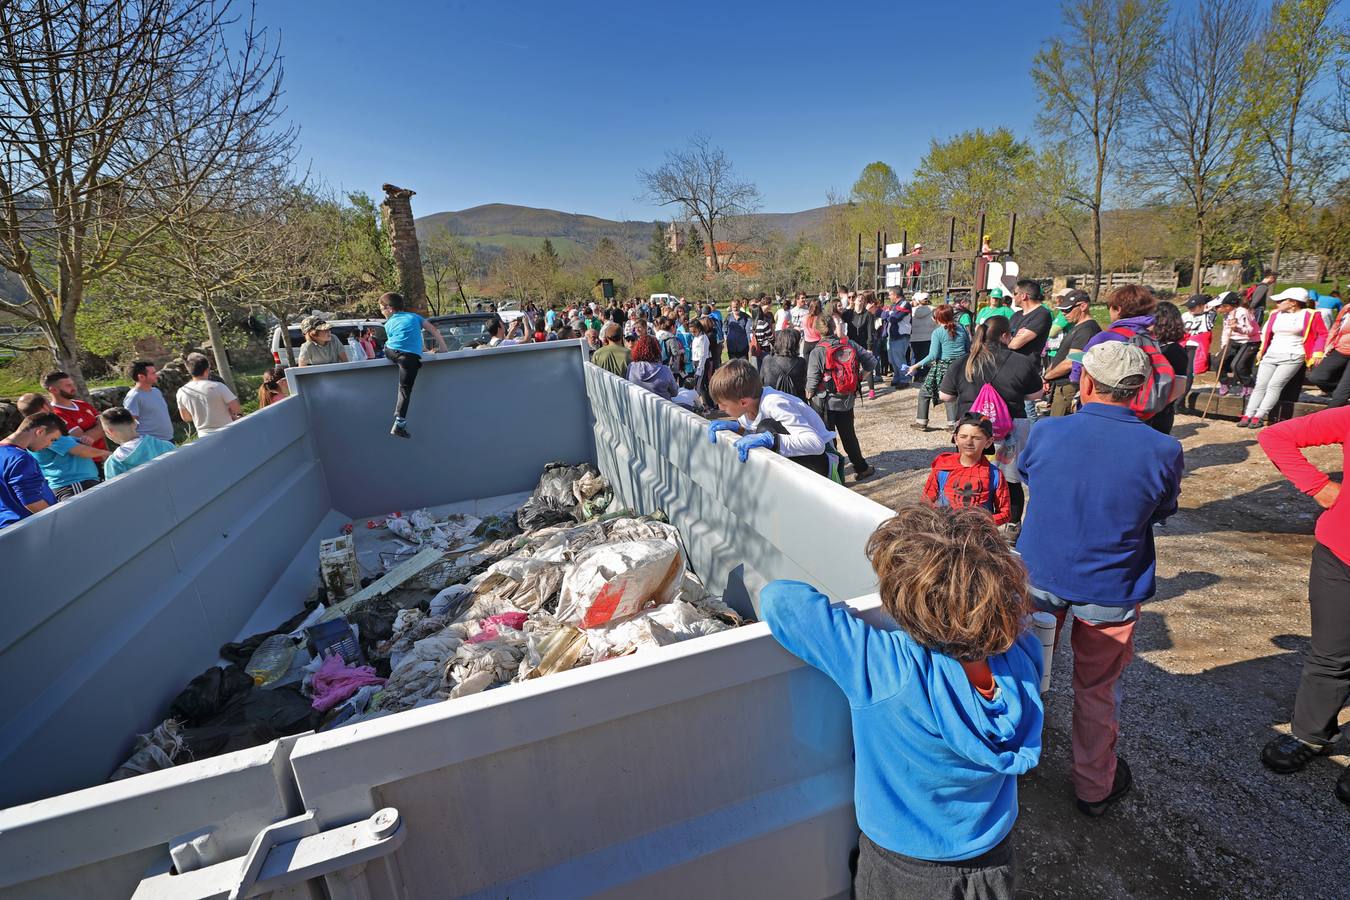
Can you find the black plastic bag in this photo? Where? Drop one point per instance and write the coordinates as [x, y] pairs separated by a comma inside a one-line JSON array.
[[253, 718], [553, 502], [209, 693]]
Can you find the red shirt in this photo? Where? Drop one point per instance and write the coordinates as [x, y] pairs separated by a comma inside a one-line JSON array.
[[83, 417], [1284, 442]]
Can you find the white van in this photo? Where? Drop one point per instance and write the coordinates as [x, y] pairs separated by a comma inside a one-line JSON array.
[[663, 299]]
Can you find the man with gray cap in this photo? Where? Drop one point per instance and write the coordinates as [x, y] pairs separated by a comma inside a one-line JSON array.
[[1099, 481]]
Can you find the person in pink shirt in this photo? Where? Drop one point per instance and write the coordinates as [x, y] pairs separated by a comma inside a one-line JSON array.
[[1325, 684], [1332, 374]]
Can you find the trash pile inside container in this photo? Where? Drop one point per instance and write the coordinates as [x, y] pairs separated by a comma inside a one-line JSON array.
[[462, 605]]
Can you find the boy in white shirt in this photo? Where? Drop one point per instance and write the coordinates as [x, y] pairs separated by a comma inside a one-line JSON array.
[[769, 418]]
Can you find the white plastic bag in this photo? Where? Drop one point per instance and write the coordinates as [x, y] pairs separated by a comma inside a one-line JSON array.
[[615, 581]]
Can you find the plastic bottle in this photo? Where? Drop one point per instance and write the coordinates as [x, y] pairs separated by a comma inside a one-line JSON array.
[[271, 660]]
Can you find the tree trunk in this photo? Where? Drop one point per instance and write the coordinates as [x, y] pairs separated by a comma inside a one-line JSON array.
[[217, 340], [65, 352], [1197, 274], [1096, 252], [1274, 254]]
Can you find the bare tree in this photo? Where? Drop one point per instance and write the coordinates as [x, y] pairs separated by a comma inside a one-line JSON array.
[[702, 180], [1283, 74], [1090, 81], [116, 119], [1192, 137], [449, 259]]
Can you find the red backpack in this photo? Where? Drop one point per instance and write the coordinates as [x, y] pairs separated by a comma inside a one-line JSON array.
[[1156, 393], [841, 365]]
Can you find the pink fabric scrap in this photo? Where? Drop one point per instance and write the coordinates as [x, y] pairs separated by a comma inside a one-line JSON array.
[[336, 681], [488, 630]]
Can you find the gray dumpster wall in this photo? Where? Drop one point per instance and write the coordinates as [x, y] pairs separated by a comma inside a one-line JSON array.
[[115, 599]]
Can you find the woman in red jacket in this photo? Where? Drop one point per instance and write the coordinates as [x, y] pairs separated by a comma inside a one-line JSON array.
[[1325, 685], [1293, 338]]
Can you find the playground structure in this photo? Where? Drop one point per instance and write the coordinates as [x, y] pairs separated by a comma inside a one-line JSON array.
[[886, 265]]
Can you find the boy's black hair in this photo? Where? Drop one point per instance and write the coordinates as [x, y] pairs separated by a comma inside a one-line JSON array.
[[139, 367], [393, 301], [979, 421], [52, 378], [1031, 288], [49, 421], [117, 415]]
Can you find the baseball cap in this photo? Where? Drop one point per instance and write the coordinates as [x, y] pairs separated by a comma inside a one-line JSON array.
[[314, 323], [1229, 297], [1294, 293], [1116, 364], [920, 296], [1195, 300], [1071, 299], [1063, 292], [996, 293]]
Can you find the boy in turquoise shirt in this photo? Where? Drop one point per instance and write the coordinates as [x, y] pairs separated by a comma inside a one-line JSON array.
[[69, 465], [133, 448], [403, 347]]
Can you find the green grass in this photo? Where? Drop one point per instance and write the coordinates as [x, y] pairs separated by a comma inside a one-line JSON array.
[[565, 247], [12, 387]]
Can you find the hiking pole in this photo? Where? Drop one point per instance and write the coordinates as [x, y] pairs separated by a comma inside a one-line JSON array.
[[1218, 379]]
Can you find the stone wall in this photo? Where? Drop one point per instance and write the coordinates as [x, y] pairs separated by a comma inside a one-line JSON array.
[[396, 212]]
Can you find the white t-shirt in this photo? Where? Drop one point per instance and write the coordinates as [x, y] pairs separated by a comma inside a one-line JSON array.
[[806, 431], [780, 320], [700, 350], [207, 403], [798, 316], [1286, 334]]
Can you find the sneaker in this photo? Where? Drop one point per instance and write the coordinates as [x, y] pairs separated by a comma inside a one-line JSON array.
[[399, 431], [1223, 390], [1010, 531], [919, 426], [860, 474], [872, 394], [1343, 786], [1287, 754], [1257, 422], [1122, 785], [1242, 422]]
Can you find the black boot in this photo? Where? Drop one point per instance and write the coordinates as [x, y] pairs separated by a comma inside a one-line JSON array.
[[1287, 754], [1121, 786]]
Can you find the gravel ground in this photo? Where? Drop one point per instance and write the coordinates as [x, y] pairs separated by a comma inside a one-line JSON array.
[[1218, 653]]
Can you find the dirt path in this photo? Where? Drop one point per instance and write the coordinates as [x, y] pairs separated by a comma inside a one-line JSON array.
[[1218, 653]]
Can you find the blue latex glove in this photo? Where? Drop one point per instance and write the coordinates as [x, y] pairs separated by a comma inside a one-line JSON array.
[[721, 425], [750, 442]]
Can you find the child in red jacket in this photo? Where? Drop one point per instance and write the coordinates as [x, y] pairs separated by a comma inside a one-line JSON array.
[[965, 477]]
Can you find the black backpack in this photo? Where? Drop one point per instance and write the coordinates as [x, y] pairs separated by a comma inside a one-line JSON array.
[[737, 340]]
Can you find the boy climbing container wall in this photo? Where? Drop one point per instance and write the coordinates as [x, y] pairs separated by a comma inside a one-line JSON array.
[[595, 779]]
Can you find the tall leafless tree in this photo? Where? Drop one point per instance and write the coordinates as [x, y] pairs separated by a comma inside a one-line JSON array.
[[1091, 79], [703, 181], [119, 118], [1192, 140]]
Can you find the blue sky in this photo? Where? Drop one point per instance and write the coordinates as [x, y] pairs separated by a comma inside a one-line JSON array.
[[560, 104]]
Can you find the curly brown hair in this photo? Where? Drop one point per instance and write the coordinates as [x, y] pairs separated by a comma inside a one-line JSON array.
[[949, 579]]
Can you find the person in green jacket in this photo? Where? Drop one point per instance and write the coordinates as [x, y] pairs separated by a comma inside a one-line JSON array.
[[613, 356]]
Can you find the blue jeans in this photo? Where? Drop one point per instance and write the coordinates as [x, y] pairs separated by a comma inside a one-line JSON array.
[[899, 354], [1031, 410]]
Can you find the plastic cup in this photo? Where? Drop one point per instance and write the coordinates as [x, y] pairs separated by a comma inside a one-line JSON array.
[[1044, 625]]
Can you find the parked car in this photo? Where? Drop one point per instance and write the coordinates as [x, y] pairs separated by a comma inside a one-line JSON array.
[[342, 329], [463, 330]]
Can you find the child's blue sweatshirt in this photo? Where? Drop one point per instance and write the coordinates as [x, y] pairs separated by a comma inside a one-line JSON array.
[[936, 763]]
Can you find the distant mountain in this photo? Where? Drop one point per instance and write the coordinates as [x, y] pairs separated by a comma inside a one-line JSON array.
[[497, 226]]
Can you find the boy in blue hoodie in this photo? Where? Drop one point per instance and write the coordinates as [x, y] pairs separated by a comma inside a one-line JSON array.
[[946, 709]]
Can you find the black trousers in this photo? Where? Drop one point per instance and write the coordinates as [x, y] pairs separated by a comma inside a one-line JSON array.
[[1332, 375], [408, 364], [841, 422], [1240, 360], [1325, 684]]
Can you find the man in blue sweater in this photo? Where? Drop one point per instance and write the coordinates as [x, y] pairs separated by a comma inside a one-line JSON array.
[[1087, 542]]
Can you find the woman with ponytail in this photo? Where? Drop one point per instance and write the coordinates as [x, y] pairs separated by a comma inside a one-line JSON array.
[[1015, 378], [950, 342]]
